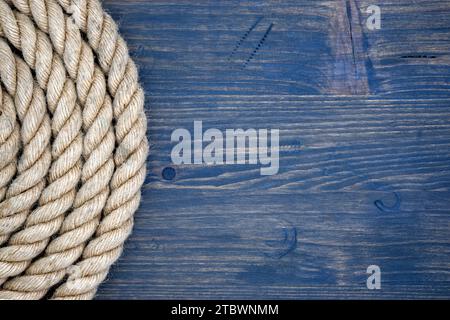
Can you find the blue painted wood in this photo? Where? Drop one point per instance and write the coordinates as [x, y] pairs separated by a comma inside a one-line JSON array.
[[364, 120]]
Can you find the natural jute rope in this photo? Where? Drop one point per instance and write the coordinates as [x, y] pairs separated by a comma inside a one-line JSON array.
[[72, 147]]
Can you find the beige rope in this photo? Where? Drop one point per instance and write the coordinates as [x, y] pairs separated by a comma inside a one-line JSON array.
[[9, 149], [63, 231]]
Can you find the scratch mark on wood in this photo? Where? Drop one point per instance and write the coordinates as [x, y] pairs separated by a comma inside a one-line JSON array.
[[374, 186], [243, 38], [348, 75], [287, 245], [349, 19], [260, 44], [418, 57], [385, 208]]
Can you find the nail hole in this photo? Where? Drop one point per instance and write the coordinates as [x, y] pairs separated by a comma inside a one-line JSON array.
[[168, 173]]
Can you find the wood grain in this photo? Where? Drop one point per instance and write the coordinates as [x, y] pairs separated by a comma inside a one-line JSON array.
[[364, 120]]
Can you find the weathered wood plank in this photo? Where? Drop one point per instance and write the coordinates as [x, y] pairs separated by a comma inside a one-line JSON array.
[[361, 182], [189, 47], [291, 244], [349, 75], [364, 120], [409, 56], [325, 143]]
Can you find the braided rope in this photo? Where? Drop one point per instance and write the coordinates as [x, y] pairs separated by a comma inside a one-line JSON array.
[[67, 199]]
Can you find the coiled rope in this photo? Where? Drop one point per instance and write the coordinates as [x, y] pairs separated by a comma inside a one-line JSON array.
[[73, 147]]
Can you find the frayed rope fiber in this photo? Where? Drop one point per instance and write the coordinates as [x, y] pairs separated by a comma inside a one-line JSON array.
[[73, 147]]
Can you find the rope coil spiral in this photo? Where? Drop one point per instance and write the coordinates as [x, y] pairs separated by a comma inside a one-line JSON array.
[[73, 147]]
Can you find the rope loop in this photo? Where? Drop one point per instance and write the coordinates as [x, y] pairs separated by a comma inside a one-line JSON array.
[[73, 147]]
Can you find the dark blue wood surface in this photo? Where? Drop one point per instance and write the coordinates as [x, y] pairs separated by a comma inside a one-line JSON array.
[[364, 179]]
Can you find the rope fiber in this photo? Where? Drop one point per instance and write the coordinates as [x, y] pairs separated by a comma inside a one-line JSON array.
[[73, 147]]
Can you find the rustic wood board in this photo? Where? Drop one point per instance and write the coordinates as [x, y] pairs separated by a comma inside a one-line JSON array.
[[364, 120]]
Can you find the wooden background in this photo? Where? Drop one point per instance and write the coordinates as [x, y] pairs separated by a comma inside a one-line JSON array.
[[364, 119]]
